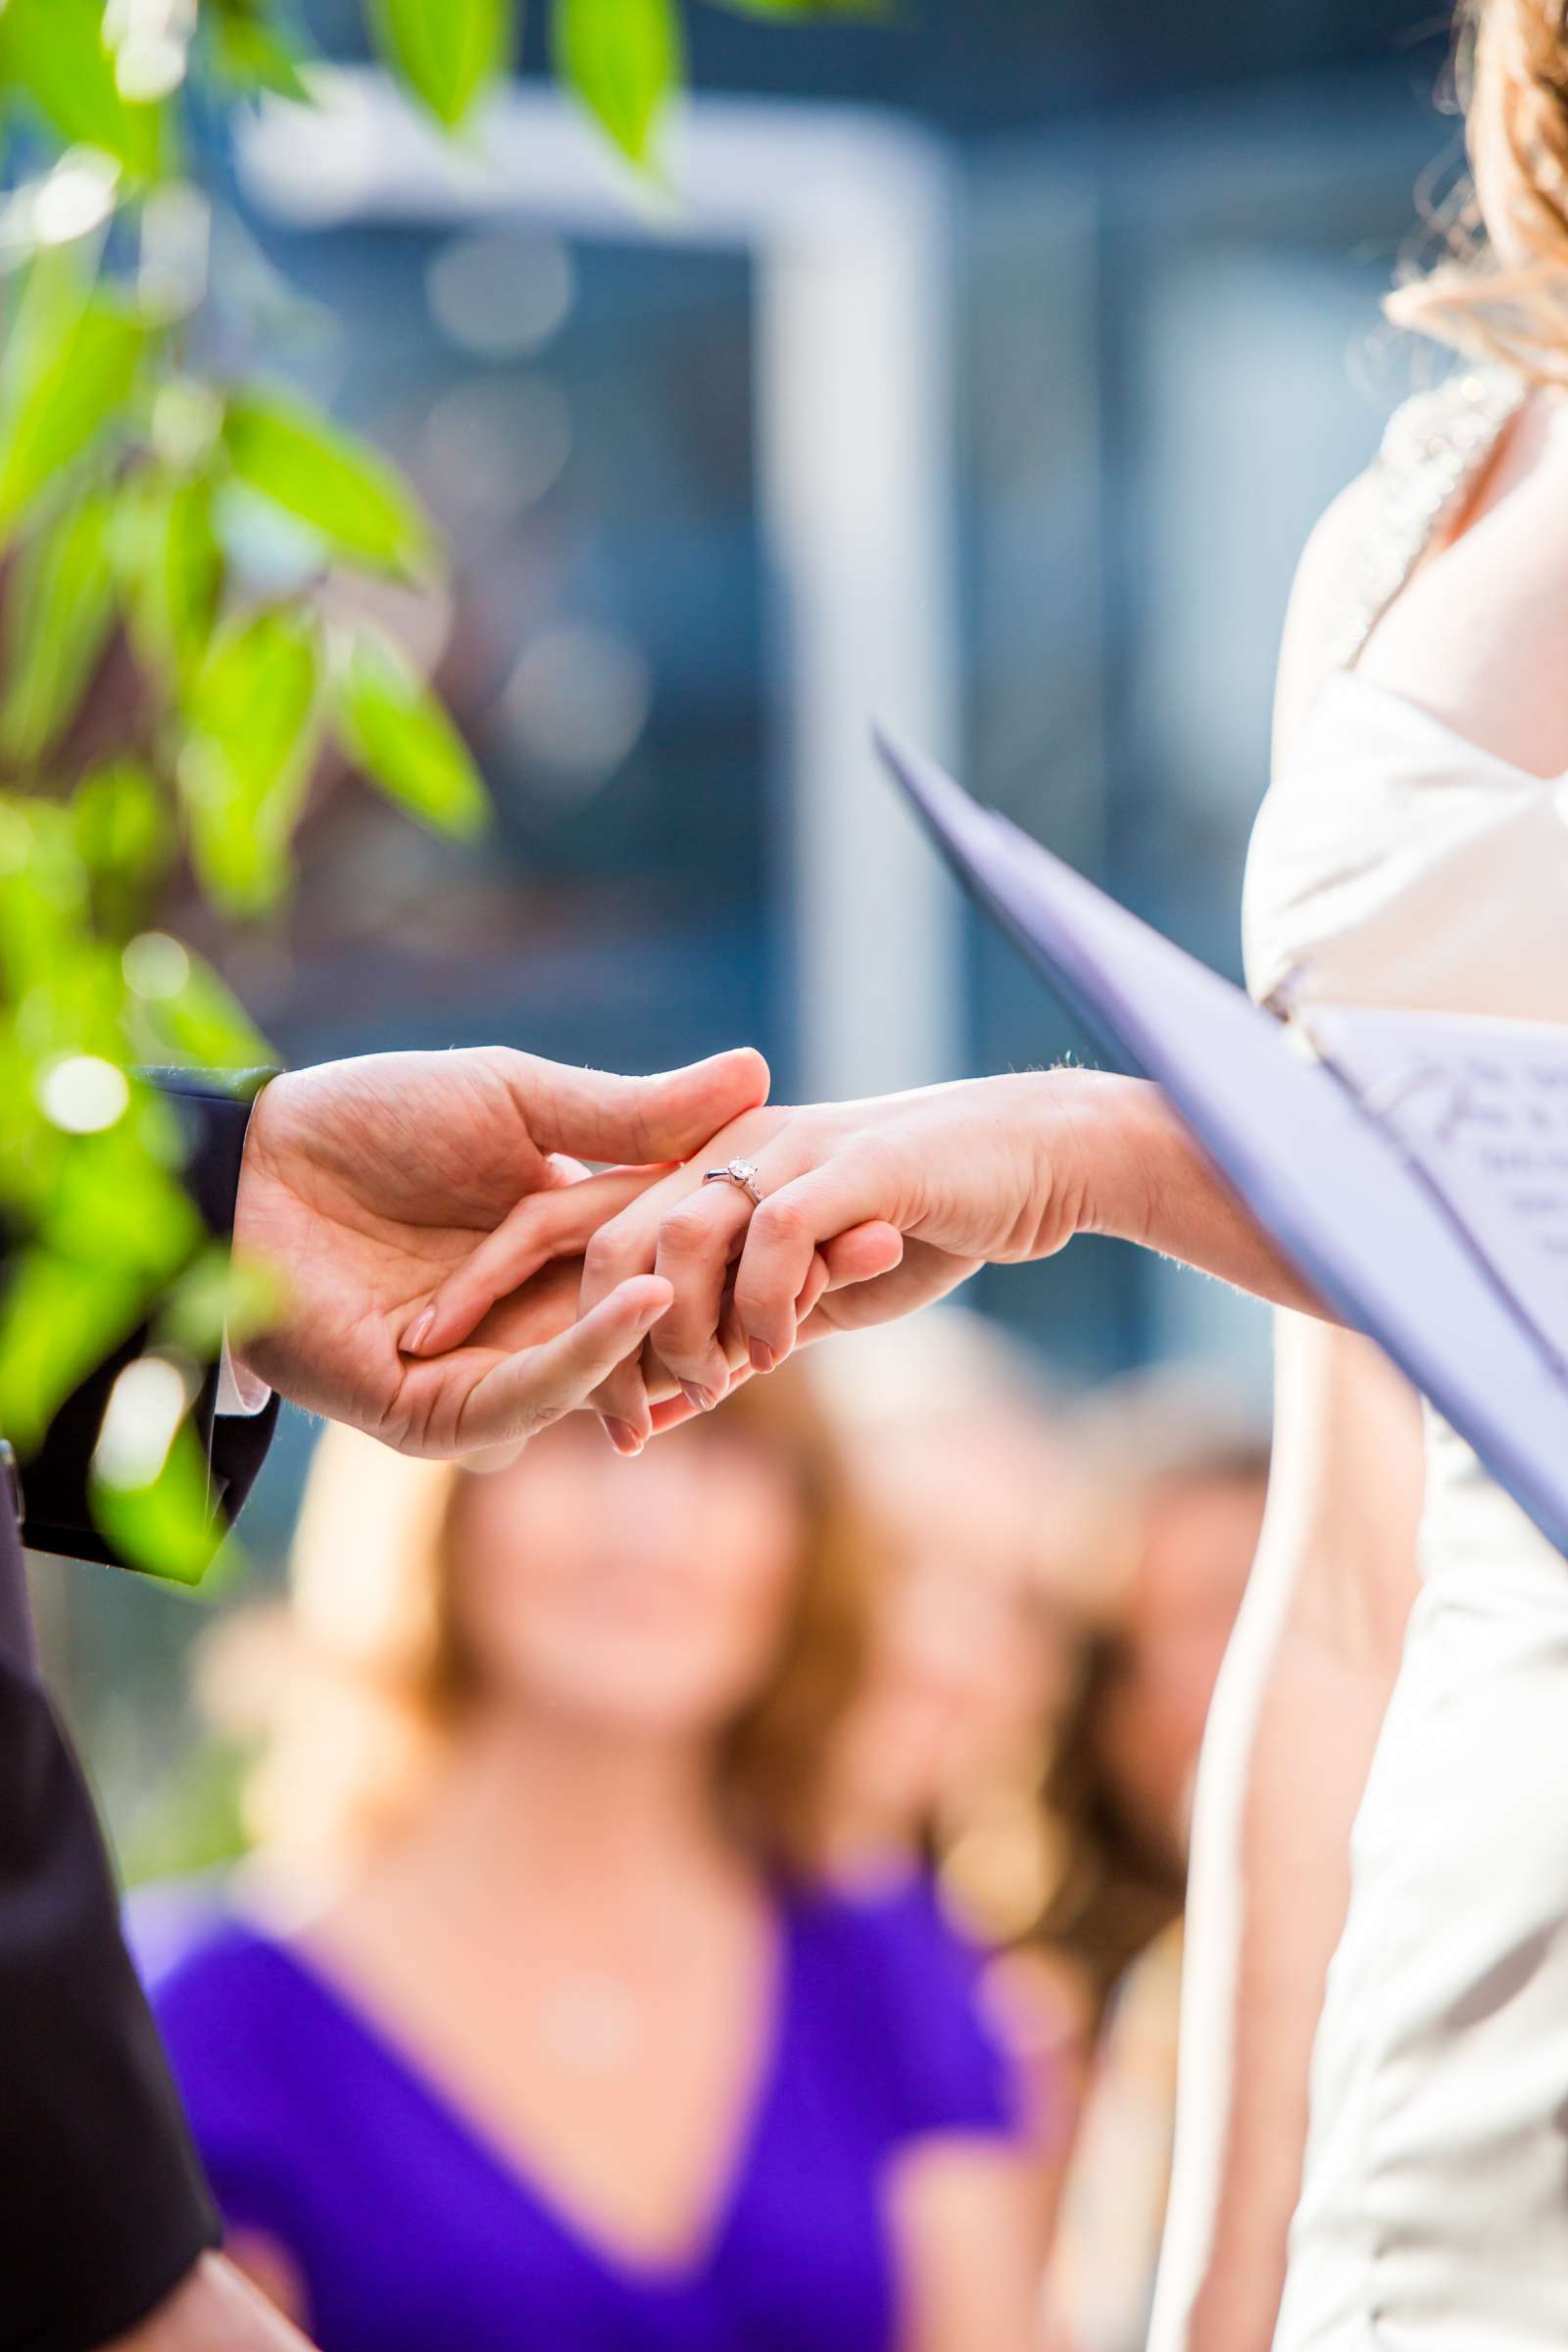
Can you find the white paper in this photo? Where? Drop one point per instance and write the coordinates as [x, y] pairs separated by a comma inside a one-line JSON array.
[[1338, 1194], [1479, 1107]]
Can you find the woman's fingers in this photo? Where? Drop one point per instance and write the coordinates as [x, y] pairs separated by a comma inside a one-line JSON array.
[[862, 1254], [697, 1241], [705, 1335], [825, 1206], [514, 1399], [922, 1274], [546, 1225], [677, 1409]]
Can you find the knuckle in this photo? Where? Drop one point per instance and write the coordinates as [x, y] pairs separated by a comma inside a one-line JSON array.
[[684, 1231], [755, 1297], [781, 1219], [606, 1254]]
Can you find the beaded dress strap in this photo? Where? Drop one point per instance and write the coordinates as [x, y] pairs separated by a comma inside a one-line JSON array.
[[1435, 447]]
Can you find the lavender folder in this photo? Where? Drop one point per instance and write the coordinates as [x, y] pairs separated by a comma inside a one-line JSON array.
[[1414, 1170]]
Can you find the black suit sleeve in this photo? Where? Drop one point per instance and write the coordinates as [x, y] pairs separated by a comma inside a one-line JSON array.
[[103, 2206], [54, 1480]]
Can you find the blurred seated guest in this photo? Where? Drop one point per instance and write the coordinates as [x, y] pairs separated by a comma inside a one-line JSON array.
[[1101, 2282], [1121, 1794], [978, 1631], [536, 2024]]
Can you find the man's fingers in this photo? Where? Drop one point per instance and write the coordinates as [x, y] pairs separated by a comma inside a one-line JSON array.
[[558, 1223], [619, 1251], [600, 1116], [526, 1392]]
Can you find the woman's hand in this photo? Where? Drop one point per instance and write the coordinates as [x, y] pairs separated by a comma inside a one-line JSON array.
[[870, 1210], [993, 1170], [989, 1171], [580, 1231]]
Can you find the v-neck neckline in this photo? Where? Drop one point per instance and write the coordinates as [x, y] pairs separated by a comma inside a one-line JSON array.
[[514, 2170]]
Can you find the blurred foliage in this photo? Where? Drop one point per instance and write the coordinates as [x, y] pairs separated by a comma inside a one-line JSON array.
[[126, 461], [190, 1821]]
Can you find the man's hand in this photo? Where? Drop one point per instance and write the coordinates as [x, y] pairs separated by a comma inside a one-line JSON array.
[[366, 1183], [212, 2310]]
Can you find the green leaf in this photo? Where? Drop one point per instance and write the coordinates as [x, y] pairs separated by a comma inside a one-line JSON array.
[[395, 729], [170, 567], [194, 1818], [114, 1204], [182, 1012], [162, 1525], [43, 894], [123, 827], [54, 51], [59, 609], [66, 375], [252, 52], [59, 1320], [245, 767], [624, 60], [327, 479], [447, 52]]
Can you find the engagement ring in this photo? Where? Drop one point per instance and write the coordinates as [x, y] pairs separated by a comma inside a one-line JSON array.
[[741, 1173]]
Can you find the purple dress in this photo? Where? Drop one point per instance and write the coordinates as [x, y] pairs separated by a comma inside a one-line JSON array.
[[412, 2235]]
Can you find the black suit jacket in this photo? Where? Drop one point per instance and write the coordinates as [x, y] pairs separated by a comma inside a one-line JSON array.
[[103, 2207]]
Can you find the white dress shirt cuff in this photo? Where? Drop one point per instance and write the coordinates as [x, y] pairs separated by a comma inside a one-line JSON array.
[[240, 1394]]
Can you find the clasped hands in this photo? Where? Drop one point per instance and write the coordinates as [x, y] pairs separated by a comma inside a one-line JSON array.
[[456, 1279]]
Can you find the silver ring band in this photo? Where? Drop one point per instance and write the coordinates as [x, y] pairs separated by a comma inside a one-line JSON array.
[[741, 1173]]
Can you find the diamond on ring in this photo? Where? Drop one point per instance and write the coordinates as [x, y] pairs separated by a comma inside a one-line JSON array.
[[743, 1172]]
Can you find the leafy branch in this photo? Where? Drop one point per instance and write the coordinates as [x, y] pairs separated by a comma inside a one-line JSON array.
[[129, 467]]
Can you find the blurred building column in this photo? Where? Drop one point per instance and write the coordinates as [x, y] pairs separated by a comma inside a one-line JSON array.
[[855, 317]]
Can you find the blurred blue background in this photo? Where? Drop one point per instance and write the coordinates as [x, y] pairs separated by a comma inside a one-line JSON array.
[[1136, 321], [986, 368]]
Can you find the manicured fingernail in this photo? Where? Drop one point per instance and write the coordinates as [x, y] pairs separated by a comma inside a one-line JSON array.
[[622, 1436], [763, 1357], [418, 1332], [704, 1399]]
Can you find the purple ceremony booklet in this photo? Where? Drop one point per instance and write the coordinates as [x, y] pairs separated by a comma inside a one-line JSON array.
[[1412, 1166]]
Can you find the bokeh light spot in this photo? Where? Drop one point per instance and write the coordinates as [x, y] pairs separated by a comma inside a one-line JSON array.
[[83, 1093]]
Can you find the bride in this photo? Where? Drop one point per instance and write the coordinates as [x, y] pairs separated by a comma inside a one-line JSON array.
[[1403, 1660]]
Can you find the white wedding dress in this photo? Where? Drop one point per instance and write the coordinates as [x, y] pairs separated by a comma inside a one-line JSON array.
[[1396, 863]]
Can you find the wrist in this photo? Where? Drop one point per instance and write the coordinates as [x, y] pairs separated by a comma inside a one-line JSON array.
[[1100, 1143], [248, 1237]]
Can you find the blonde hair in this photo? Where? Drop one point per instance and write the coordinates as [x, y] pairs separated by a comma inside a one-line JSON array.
[[1501, 292], [356, 1688]]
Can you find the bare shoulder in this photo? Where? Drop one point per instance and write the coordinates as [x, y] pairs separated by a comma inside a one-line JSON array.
[[1328, 579], [1479, 638]]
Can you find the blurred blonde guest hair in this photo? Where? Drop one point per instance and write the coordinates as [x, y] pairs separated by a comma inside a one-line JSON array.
[[1501, 292], [355, 1689], [950, 1368]]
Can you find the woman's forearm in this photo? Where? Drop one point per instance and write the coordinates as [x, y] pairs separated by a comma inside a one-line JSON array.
[[1140, 1176], [1290, 1743]]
